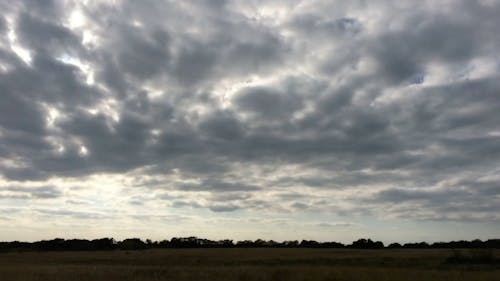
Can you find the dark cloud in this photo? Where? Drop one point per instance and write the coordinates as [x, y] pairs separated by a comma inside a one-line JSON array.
[[46, 9], [194, 64], [257, 53], [223, 125], [267, 102], [143, 58], [21, 114], [46, 37]]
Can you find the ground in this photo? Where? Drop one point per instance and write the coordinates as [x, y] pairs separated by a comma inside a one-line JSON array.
[[249, 264]]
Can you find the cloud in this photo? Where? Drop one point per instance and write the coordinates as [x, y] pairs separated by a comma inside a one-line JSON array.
[[335, 224], [461, 200], [267, 102], [216, 185], [3, 24], [183, 204], [222, 125], [26, 192], [223, 208], [264, 106], [71, 214], [45, 37]]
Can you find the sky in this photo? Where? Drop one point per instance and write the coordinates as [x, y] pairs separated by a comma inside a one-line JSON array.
[[284, 120]]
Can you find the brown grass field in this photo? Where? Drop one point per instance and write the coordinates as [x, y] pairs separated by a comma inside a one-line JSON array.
[[245, 264]]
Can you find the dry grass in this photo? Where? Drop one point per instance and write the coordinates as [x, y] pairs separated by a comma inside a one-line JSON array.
[[242, 264]]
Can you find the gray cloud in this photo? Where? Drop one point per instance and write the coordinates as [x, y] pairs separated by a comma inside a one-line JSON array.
[[22, 192], [217, 185], [143, 58], [71, 214], [462, 200], [402, 195], [224, 208], [223, 125], [334, 225], [225, 98], [316, 24], [46, 37], [183, 204], [267, 102], [3, 25]]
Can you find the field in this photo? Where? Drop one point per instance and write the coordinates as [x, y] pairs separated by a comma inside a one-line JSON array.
[[247, 264]]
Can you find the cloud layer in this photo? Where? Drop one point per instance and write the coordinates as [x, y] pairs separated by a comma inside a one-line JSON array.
[[317, 108]]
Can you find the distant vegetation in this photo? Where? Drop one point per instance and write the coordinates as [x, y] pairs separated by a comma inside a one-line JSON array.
[[194, 242]]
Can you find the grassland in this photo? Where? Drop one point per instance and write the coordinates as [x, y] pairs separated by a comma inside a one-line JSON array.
[[245, 264]]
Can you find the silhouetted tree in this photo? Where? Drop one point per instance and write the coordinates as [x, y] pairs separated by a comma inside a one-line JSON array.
[[366, 244], [394, 246], [421, 245], [332, 245], [245, 244], [60, 244], [290, 244], [132, 244], [308, 244]]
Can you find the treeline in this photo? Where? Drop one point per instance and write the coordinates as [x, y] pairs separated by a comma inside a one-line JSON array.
[[194, 242]]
